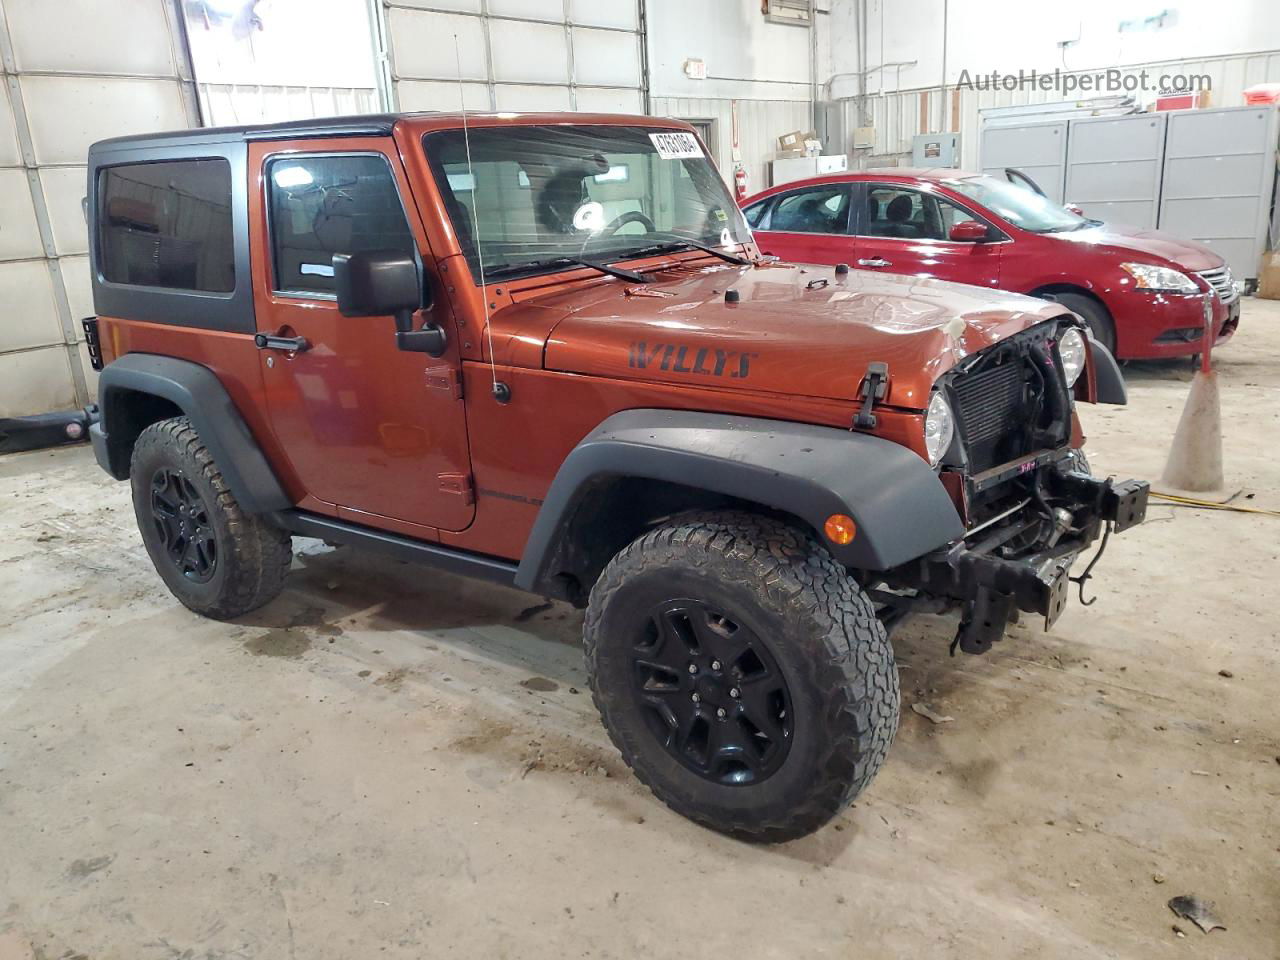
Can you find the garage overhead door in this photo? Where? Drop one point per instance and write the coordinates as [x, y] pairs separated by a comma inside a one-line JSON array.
[[84, 71], [1037, 149], [1114, 168], [1219, 169], [518, 55]]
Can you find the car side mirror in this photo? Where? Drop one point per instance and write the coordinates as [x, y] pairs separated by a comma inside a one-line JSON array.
[[970, 231], [376, 283]]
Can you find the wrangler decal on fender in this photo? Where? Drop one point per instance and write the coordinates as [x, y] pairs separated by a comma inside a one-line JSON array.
[[674, 358]]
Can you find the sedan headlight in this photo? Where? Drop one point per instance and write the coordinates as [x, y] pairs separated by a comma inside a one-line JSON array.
[[1071, 352], [1147, 276], [939, 427]]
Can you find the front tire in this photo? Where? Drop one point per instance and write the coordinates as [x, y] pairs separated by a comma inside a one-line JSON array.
[[742, 674], [216, 559], [1092, 313]]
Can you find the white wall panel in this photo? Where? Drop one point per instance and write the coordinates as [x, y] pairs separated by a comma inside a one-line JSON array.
[[516, 98], [10, 153], [462, 6], [442, 95], [227, 104], [516, 55], [75, 276], [619, 14], [531, 9], [19, 232], [81, 70], [64, 189], [606, 57], [90, 36], [34, 381], [67, 114], [422, 45], [611, 100], [525, 52], [29, 318]]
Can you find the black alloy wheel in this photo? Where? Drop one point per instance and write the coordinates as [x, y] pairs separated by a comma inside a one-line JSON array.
[[712, 693], [181, 518]]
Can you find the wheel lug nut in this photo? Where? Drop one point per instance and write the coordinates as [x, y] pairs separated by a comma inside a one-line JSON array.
[[735, 693], [715, 664], [693, 668], [696, 699], [720, 712]]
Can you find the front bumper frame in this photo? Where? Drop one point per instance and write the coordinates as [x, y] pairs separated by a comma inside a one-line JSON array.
[[991, 589]]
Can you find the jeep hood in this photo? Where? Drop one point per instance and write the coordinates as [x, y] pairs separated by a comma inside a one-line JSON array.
[[799, 331]]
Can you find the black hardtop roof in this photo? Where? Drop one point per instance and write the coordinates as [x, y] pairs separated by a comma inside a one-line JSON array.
[[363, 125]]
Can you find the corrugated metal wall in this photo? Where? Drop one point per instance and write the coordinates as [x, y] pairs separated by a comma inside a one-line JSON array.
[[529, 55], [93, 70], [897, 116], [760, 123]]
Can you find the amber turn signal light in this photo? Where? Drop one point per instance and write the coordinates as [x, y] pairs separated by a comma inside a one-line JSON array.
[[840, 529]]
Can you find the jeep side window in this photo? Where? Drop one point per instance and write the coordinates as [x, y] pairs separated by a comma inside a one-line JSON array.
[[167, 224], [322, 205]]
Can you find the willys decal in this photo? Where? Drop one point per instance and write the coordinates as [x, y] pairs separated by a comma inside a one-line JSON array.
[[674, 358]]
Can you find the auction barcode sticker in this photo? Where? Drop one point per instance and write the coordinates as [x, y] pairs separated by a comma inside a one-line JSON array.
[[676, 145]]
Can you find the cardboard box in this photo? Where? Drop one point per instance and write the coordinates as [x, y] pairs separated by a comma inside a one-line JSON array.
[[798, 143], [1269, 277]]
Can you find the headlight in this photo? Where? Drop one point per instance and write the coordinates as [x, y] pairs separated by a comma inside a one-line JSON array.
[[1147, 276], [1071, 352], [939, 427]]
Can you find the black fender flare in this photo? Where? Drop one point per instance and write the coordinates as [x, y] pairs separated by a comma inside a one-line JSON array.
[[900, 507], [1108, 381], [198, 393]]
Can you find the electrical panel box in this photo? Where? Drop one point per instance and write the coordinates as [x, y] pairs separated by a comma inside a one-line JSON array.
[[935, 150]]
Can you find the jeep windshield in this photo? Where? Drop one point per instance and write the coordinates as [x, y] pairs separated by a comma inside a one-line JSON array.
[[535, 199], [1020, 206]]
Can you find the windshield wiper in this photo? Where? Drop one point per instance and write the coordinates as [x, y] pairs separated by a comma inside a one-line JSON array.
[[679, 241], [619, 272]]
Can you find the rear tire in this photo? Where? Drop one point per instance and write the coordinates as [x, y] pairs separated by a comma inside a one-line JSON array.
[[216, 559], [742, 674], [1092, 313]]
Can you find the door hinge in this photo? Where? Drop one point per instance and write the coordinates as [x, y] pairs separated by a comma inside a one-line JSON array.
[[458, 484], [447, 378]]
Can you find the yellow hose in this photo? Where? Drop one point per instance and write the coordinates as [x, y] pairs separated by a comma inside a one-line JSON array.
[[1211, 505]]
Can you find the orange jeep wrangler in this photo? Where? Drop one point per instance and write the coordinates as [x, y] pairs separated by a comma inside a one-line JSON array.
[[544, 351]]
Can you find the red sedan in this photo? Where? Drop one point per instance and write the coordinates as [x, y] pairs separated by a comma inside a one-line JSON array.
[[1144, 293]]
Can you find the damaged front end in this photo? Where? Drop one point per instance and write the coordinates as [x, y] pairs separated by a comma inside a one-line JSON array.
[[1029, 502]]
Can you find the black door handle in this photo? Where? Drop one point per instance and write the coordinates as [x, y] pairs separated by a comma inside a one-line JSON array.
[[267, 341]]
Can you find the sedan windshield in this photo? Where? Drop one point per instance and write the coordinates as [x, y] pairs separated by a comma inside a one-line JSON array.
[[1020, 206], [532, 199]]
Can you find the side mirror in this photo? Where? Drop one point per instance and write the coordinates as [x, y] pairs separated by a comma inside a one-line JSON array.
[[969, 231], [376, 283]]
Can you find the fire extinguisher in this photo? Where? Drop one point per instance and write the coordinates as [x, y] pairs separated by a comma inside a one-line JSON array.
[[740, 182]]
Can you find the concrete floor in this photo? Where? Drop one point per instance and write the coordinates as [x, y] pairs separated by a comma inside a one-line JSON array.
[[391, 762]]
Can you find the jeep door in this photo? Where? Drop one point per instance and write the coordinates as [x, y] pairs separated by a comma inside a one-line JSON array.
[[806, 225], [906, 230], [374, 434]]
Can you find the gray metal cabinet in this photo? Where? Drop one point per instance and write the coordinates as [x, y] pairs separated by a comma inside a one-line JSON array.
[[1037, 149], [1219, 170], [1114, 168]]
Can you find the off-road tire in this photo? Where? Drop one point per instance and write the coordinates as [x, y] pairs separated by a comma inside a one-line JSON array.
[[1092, 313], [822, 632], [252, 556]]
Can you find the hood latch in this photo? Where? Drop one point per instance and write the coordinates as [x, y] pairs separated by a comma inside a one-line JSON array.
[[874, 386]]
